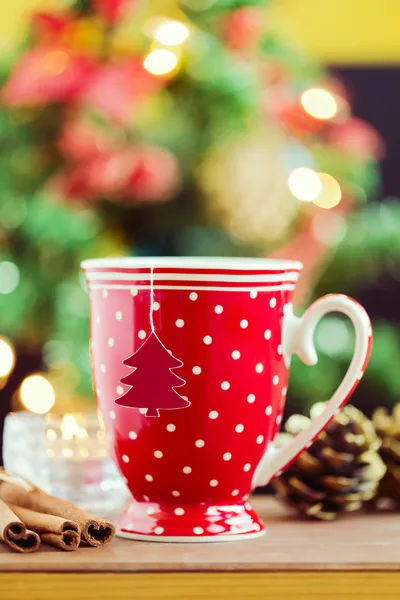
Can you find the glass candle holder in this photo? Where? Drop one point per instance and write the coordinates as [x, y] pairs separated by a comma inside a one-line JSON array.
[[65, 455]]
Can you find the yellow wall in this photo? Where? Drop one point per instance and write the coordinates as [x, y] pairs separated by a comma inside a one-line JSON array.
[[340, 31]]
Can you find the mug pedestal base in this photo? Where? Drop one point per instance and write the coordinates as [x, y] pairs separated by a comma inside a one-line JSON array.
[[151, 522]]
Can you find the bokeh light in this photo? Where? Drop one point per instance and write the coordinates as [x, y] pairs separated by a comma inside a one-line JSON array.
[[319, 103], [7, 357], [305, 184], [330, 194], [9, 277], [37, 394], [160, 62], [171, 33]]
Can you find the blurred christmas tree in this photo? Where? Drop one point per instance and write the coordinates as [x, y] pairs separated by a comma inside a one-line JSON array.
[[145, 128]]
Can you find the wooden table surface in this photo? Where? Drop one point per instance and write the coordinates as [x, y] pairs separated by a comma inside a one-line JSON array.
[[359, 551]]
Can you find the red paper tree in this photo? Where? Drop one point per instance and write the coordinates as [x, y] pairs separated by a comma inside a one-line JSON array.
[[153, 382]]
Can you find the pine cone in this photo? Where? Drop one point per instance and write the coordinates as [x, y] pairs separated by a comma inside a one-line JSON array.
[[339, 472], [388, 428]]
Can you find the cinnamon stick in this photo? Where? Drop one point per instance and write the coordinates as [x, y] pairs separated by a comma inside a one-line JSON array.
[[53, 530], [67, 540], [94, 530], [14, 533]]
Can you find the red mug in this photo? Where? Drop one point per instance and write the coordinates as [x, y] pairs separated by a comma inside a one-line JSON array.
[[190, 363]]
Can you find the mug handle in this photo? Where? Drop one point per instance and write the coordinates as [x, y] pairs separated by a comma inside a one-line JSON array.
[[298, 338]]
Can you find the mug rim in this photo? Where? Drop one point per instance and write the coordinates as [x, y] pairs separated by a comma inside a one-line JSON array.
[[192, 262]]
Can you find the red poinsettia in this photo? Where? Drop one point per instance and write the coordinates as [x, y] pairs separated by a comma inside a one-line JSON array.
[[132, 174], [47, 74], [116, 89], [244, 27], [48, 25], [81, 140], [357, 138], [112, 10]]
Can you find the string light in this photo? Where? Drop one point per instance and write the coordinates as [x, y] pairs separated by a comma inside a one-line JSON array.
[[7, 358], [37, 394], [330, 194], [305, 184], [170, 33], [160, 62], [319, 103], [9, 277]]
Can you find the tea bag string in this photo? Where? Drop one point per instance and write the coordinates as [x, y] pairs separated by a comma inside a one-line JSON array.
[[152, 299]]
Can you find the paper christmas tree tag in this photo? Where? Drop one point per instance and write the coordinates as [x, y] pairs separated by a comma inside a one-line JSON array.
[[152, 382]]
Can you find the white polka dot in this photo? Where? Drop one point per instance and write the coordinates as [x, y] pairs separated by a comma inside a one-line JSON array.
[[179, 511], [125, 458], [103, 368], [142, 334], [278, 419], [225, 385], [227, 456], [156, 306], [158, 454], [213, 483], [110, 342], [207, 339], [146, 498], [260, 439], [275, 379], [198, 530], [284, 391], [213, 414], [196, 370], [118, 315], [171, 427], [193, 296], [251, 398], [239, 428], [244, 323], [199, 443], [235, 493], [120, 389], [185, 397], [280, 349], [148, 477], [105, 294], [187, 470], [235, 354], [179, 322], [112, 414], [268, 410], [259, 368], [159, 530], [267, 334], [143, 411], [98, 320], [248, 505], [272, 302], [247, 467], [151, 510], [219, 309], [176, 493], [253, 294], [132, 435], [134, 291]]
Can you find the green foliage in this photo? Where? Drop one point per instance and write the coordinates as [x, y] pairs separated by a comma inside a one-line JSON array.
[[202, 9], [370, 245], [309, 385]]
